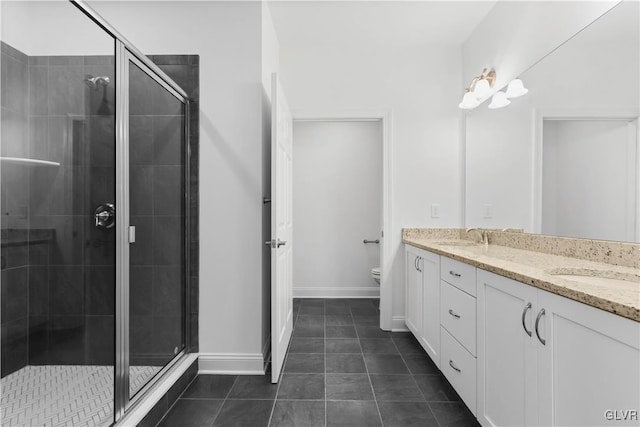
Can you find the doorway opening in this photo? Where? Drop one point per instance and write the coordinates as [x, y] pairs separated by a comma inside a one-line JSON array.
[[342, 209]]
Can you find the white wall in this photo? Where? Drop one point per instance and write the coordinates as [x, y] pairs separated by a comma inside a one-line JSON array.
[[337, 186], [596, 70], [28, 27], [227, 36], [420, 85], [516, 34]]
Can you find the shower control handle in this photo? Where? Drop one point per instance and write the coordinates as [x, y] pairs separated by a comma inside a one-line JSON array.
[[105, 216]]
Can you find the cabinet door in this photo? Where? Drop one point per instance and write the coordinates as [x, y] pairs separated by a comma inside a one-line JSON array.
[[413, 292], [589, 366], [506, 353], [430, 337]]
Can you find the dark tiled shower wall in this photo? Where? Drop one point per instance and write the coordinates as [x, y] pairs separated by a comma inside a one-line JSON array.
[[185, 71], [64, 284], [73, 125]]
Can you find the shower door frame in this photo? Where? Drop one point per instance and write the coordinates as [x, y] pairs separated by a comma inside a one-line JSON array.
[[126, 53]]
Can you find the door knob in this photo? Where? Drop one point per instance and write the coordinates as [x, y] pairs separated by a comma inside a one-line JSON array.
[[275, 243]]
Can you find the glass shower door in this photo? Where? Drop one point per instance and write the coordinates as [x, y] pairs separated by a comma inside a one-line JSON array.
[[157, 277], [58, 264]]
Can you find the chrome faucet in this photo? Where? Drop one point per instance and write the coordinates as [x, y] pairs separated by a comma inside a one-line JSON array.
[[482, 233]]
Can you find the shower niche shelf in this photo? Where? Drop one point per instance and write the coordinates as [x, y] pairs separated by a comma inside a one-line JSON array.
[[28, 162]]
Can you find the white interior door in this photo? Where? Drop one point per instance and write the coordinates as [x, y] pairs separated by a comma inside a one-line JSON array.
[[281, 228]]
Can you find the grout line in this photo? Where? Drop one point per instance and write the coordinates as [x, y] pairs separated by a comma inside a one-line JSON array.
[[325, 364], [224, 401], [375, 398]]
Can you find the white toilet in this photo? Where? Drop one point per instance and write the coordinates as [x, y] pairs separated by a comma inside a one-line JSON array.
[[375, 273]]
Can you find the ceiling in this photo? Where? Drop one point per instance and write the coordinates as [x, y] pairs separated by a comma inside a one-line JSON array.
[[375, 23]]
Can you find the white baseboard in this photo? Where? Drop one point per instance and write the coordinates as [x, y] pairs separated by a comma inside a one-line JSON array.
[[336, 292], [398, 325], [231, 363]]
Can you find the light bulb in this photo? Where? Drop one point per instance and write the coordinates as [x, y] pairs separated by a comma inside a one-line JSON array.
[[469, 101], [499, 100], [516, 89], [482, 89]]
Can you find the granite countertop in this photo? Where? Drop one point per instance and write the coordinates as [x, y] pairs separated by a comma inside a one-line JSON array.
[[536, 268]]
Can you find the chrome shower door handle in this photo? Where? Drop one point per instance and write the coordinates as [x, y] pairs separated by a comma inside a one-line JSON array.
[[105, 215]]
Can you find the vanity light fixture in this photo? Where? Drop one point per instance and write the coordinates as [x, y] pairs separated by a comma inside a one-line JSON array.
[[479, 89], [499, 100], [516, 88], [469, 101]]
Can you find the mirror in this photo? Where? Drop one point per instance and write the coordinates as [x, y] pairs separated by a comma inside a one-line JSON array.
[[540, 163]]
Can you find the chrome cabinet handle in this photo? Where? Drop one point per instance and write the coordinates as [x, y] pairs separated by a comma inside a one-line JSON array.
[[524, 314], [365, 241], [454, 366], [454, 314], [454, 274], [540, 314], [419, 269]]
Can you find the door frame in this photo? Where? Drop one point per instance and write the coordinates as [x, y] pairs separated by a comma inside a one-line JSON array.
[[542, 114], [386, 239]]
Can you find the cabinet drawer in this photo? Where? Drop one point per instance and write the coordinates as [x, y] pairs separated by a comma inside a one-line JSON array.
[[458, 315], [459, 274], [459, 366]]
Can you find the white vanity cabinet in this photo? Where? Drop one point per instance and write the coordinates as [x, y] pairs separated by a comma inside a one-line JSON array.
[[413, 290], [422, 299], [546, 360], [506, 352], [588, 366]]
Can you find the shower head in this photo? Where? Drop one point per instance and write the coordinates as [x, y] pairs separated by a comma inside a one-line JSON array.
[[95, 82]]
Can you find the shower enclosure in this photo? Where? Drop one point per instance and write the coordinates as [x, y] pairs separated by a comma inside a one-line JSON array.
[[95, 218]]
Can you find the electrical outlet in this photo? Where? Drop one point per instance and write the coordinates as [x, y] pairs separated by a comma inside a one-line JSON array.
[[487, 211], [435, 211]]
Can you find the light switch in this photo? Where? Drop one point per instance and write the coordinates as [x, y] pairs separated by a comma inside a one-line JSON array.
[[487, 211], [435, 211]]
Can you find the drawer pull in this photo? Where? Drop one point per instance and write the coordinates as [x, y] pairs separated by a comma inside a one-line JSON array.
[[454, 314], [455, 368], [454, 274], [540, 314], [524, 314]]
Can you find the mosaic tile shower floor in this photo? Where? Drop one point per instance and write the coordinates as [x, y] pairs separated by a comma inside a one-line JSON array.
[[63, 395]]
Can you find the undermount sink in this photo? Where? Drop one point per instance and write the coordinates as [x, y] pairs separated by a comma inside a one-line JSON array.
[[596, 277], [456, 243]]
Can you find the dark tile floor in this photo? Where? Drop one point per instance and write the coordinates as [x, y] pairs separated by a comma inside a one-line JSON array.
[[341, 370]]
